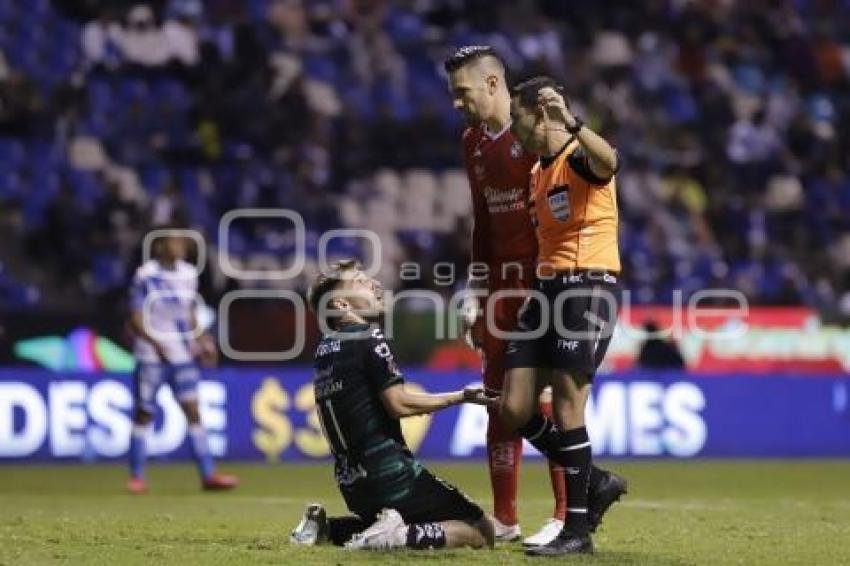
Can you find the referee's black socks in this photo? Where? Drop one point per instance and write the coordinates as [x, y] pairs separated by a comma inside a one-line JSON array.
[[571, 450], [576, 462]]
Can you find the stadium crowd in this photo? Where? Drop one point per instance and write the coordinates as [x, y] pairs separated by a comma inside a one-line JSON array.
[[732, 120]]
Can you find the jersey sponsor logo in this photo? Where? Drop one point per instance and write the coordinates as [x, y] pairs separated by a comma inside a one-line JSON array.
[[559, 203], [328, 347], [504, 200], [392, 366], [383, 350], [328, 388], [346, 474]]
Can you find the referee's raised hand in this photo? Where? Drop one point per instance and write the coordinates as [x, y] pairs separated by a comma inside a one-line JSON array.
[[555, 107]]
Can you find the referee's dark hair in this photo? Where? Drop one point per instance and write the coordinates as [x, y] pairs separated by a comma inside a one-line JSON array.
[[528, 90], [325, 283], [469, 53]]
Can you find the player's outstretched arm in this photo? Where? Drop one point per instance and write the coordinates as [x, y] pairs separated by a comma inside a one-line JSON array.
[[401, 403]]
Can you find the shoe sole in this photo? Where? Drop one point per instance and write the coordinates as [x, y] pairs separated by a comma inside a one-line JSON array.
[[559, 554], [536, 544]]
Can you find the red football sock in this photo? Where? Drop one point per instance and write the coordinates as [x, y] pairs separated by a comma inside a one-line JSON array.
[[504, 451], [556, 476]]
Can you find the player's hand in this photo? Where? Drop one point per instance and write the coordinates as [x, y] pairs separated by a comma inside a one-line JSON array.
[[469, 308], [478, 396], [554, 106], [474, 335], [206, 351], [471, 322]]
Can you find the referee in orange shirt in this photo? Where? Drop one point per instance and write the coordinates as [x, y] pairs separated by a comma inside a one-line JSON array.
[[567, 323]]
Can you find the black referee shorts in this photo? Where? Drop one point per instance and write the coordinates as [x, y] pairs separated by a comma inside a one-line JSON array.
[[574, 315]]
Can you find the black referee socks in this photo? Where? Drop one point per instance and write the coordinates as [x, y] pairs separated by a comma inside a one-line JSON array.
[[570, 450], [543, 435], [576, 462]]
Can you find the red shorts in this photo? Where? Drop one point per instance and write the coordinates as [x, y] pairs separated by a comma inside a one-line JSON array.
[[504, 316]]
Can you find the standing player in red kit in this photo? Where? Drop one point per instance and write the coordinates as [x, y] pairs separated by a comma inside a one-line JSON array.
[[504, 253]]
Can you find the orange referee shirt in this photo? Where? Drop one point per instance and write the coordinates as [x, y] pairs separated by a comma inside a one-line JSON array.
[[574, 213]]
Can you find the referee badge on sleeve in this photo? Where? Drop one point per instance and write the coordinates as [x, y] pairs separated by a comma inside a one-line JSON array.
[[559, 202]]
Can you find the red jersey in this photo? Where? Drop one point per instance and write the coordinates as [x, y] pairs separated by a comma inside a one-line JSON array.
[[499, 170]]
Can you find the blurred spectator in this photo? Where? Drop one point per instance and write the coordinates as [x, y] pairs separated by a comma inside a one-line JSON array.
[[180, 33], [657, 352], [142, 40], [101, 41], [20, 102], [732, 120]]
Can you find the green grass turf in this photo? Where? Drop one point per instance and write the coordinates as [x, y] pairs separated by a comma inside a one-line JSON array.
[[676, 513]]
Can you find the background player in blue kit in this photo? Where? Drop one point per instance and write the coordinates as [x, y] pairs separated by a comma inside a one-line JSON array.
[[166, 347]]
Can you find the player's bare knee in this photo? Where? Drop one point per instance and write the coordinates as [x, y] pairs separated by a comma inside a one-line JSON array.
[[573, 419], [568, 414], [513, 415]]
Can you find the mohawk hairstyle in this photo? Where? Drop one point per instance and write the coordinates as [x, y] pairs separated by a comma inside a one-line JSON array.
[[528, 90], [328, 282], [468, 53]]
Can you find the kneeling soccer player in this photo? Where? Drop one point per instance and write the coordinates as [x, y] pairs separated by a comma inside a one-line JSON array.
[[360, 397]]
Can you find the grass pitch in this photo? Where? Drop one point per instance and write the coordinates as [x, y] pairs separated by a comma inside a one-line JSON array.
[[770, 513]]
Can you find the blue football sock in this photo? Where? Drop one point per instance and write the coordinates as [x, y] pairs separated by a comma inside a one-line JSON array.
[[138, 450], [201, 450]]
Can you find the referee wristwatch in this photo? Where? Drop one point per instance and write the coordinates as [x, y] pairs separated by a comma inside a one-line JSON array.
[[577, 127]]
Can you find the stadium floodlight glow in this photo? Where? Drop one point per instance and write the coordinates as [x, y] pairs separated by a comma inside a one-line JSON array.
[[194, 235], [170, 295], [374, 258], [224, 326], [239, 274]]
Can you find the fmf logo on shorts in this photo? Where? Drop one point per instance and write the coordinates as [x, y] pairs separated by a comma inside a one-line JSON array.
[[640, 418]]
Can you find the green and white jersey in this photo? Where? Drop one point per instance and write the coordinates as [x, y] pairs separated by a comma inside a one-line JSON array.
[[373, 465]]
